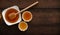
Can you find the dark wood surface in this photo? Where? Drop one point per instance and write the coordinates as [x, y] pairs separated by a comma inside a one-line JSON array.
[[25, 3], [46, 17]]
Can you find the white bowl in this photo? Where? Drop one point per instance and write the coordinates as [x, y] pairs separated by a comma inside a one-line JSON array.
[[8, 23], [20, 27], [25, 19]]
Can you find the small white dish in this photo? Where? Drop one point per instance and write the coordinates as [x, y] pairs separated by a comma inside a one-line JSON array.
[[8, 23], [20, 24], [24, 14]]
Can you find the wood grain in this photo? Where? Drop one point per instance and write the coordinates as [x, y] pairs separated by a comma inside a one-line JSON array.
[[45, 21], [25, 3], [46, 17]]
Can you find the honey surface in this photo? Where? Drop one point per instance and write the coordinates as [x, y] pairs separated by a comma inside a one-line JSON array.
[[23, 25], [9, 12], [27, 16]]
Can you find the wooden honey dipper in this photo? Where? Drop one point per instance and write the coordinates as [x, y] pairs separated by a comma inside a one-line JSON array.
[[13, 15]]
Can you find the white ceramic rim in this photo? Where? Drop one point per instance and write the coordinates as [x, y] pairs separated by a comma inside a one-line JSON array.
[[29, 19], [23, 29], [3, 14]]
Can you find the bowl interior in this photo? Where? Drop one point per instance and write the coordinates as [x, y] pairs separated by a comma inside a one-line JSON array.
[[3, 14]]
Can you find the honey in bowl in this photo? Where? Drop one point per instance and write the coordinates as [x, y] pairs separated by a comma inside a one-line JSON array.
[[11, 19], [23, 26], [27, 16]]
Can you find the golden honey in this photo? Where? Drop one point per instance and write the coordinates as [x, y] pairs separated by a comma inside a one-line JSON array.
[[27, 16], [22, 26], [9, 12]]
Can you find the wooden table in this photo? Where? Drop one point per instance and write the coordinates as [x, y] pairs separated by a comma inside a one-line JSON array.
[[46, 17]]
